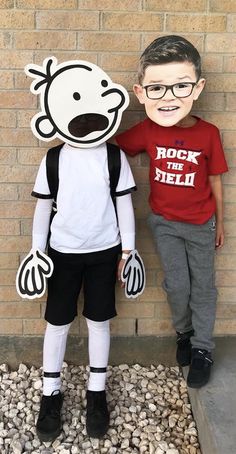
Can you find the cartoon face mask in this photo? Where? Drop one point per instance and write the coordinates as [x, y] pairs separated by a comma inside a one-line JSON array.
[[79, 102]]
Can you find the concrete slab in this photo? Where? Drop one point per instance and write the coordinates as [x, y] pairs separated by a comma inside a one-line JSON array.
[[130, 350], [214, 406]]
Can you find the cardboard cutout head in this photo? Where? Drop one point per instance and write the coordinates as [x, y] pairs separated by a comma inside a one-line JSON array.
[[79, 102]]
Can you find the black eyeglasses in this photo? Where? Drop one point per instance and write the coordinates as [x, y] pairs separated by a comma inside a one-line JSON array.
[[180, 90]]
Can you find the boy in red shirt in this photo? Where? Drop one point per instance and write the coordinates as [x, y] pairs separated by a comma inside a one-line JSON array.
[[186, 198]]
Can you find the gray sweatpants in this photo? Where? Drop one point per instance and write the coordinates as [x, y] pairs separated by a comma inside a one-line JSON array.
[[187, 254]]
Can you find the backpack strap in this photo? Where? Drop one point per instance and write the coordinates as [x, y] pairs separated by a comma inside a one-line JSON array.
[[52, 169], [52, 166], [114, 165]]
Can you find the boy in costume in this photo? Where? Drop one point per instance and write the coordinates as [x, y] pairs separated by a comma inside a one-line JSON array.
[[186, 200], [81, 106]]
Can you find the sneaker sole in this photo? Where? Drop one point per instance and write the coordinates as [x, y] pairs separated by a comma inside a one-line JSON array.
[[199, 384], [187, 363], [48, 437], [94, 434]]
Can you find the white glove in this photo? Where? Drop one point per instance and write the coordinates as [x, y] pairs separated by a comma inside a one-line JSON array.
[[32, 273], [133, 275]]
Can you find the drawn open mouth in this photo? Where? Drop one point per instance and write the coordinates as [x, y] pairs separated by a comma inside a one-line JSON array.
[[82, 125]]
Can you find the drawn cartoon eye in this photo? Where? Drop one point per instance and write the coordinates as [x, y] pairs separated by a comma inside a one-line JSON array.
[[104, 83], [76, 96]]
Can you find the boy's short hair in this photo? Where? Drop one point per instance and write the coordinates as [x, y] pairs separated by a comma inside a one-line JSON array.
[[168, 49]]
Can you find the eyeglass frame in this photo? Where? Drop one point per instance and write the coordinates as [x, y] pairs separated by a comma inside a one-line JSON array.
[[170, 87]]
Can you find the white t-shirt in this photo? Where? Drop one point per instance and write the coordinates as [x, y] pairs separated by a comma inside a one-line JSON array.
[[85, 220]]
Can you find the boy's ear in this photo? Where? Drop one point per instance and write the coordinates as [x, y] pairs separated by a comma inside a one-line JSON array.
[[140, 93], [198, 89]]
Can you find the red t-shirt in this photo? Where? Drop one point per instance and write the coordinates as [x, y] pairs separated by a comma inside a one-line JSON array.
[[181, 159]]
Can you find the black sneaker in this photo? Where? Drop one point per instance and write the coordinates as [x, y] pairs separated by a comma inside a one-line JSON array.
[[48, 426], [200, 368], [184, 348], [97, 417]]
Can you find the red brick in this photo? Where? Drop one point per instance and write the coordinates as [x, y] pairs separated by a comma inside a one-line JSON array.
[[14, 210], [5, 40], [10, 327], [7, 3], [118, 5], [67, 20], [47, 4], [148, 327], [6, 80], [108, 41], [45, 40], [34, 327], [7, 155], [177, 5], [68, 55], [135, 309], [9, 261], [17, 137], [136, 21], [7, 118], [221, 42], [20, 310], [8, 192], [218, 6], [15, 244], [9, 227], [13, 59], [122, 327], [196, 23], [17, 174], [17, 100], [227, 326], [16, 19]]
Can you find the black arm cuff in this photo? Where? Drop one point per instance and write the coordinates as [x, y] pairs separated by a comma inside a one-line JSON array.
[[126, 191], [41, 196]]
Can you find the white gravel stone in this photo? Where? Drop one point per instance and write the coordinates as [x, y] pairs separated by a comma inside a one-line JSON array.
[[38, 384], [17, 447], [152, 407]]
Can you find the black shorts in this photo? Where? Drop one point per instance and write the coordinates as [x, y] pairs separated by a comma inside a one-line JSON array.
[[96, 271]]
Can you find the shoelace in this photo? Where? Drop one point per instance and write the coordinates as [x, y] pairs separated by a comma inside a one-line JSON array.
[[184, 337], [205, 356]]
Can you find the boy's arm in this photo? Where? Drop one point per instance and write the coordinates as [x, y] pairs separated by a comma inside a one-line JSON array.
[[36, 266], [126, 222], [217, 190], [41, 224], [132, 141]]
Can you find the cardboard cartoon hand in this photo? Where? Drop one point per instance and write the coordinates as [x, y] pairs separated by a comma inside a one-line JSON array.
[[32, 274], [133, 275]]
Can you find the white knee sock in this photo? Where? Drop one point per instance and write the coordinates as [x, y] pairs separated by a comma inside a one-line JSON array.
[[99, 347], [53, 355]]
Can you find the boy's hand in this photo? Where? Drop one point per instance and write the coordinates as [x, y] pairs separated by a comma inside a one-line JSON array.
[[119, 271], [32, 274], [219, 234]]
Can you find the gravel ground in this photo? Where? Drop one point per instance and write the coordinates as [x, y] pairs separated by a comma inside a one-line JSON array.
[[149, 410]]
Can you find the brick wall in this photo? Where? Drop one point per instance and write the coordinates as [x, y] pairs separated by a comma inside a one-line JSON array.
[[112, 37]]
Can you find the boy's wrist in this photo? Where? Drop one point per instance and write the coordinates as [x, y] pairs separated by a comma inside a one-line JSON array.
[[125, 254]]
